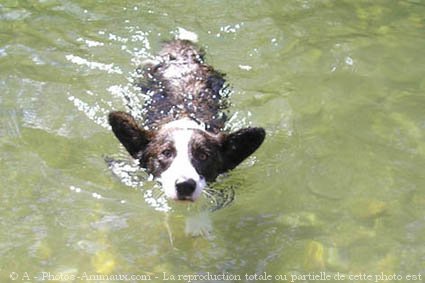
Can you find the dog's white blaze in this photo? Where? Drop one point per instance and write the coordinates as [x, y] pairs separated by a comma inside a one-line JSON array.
[[181, 168], [184, 124]]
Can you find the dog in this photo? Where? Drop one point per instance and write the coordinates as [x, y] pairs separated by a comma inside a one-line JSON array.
[[181, 141]]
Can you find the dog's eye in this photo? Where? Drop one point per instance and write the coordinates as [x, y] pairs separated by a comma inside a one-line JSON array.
[[167, 153], [202, 156]]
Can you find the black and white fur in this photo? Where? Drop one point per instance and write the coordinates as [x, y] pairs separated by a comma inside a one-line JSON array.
[[181, 140]]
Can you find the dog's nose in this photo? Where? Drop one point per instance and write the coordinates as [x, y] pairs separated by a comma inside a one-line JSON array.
[[185, 188]]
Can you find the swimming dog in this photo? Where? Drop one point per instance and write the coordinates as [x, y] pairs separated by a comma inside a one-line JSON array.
[[181, 140]]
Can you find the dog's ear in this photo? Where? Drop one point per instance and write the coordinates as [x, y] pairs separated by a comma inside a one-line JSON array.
[[239, 145], [132, 137]]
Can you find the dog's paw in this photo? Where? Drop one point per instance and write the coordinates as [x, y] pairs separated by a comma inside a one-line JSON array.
[[199, 225]]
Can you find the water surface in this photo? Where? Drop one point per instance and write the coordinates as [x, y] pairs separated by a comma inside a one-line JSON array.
[[337, 187]]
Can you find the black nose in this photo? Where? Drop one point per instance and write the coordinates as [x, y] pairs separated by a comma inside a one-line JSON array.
[[185, 189]]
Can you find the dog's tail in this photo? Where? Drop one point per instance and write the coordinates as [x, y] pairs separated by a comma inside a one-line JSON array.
[[184, 34]]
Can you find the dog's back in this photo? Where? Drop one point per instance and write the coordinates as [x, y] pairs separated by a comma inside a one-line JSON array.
[[180, 84]]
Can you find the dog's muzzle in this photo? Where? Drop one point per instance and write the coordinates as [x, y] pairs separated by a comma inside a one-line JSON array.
[[185, 189]]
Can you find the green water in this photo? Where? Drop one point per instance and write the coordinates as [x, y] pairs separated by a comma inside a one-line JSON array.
[[337, 187]]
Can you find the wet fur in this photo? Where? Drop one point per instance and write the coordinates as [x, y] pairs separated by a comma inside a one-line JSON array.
[[180, 84], [187, 97]]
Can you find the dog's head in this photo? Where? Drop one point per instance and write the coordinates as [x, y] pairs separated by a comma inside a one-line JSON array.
[[183, 156]]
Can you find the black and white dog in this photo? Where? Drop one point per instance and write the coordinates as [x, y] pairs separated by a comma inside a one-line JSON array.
[[181, 140]]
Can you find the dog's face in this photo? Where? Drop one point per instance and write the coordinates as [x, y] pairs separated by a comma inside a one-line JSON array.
[[181, 155]]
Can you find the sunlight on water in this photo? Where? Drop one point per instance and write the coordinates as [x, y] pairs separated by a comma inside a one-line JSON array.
[[337, 187], [109, 68], [95, 113]]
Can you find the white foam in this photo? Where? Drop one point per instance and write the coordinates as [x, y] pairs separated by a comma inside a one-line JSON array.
[[185, 34]]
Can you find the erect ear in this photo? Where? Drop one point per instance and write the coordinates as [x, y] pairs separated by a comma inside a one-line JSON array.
[[239, 145], [125, 128]]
